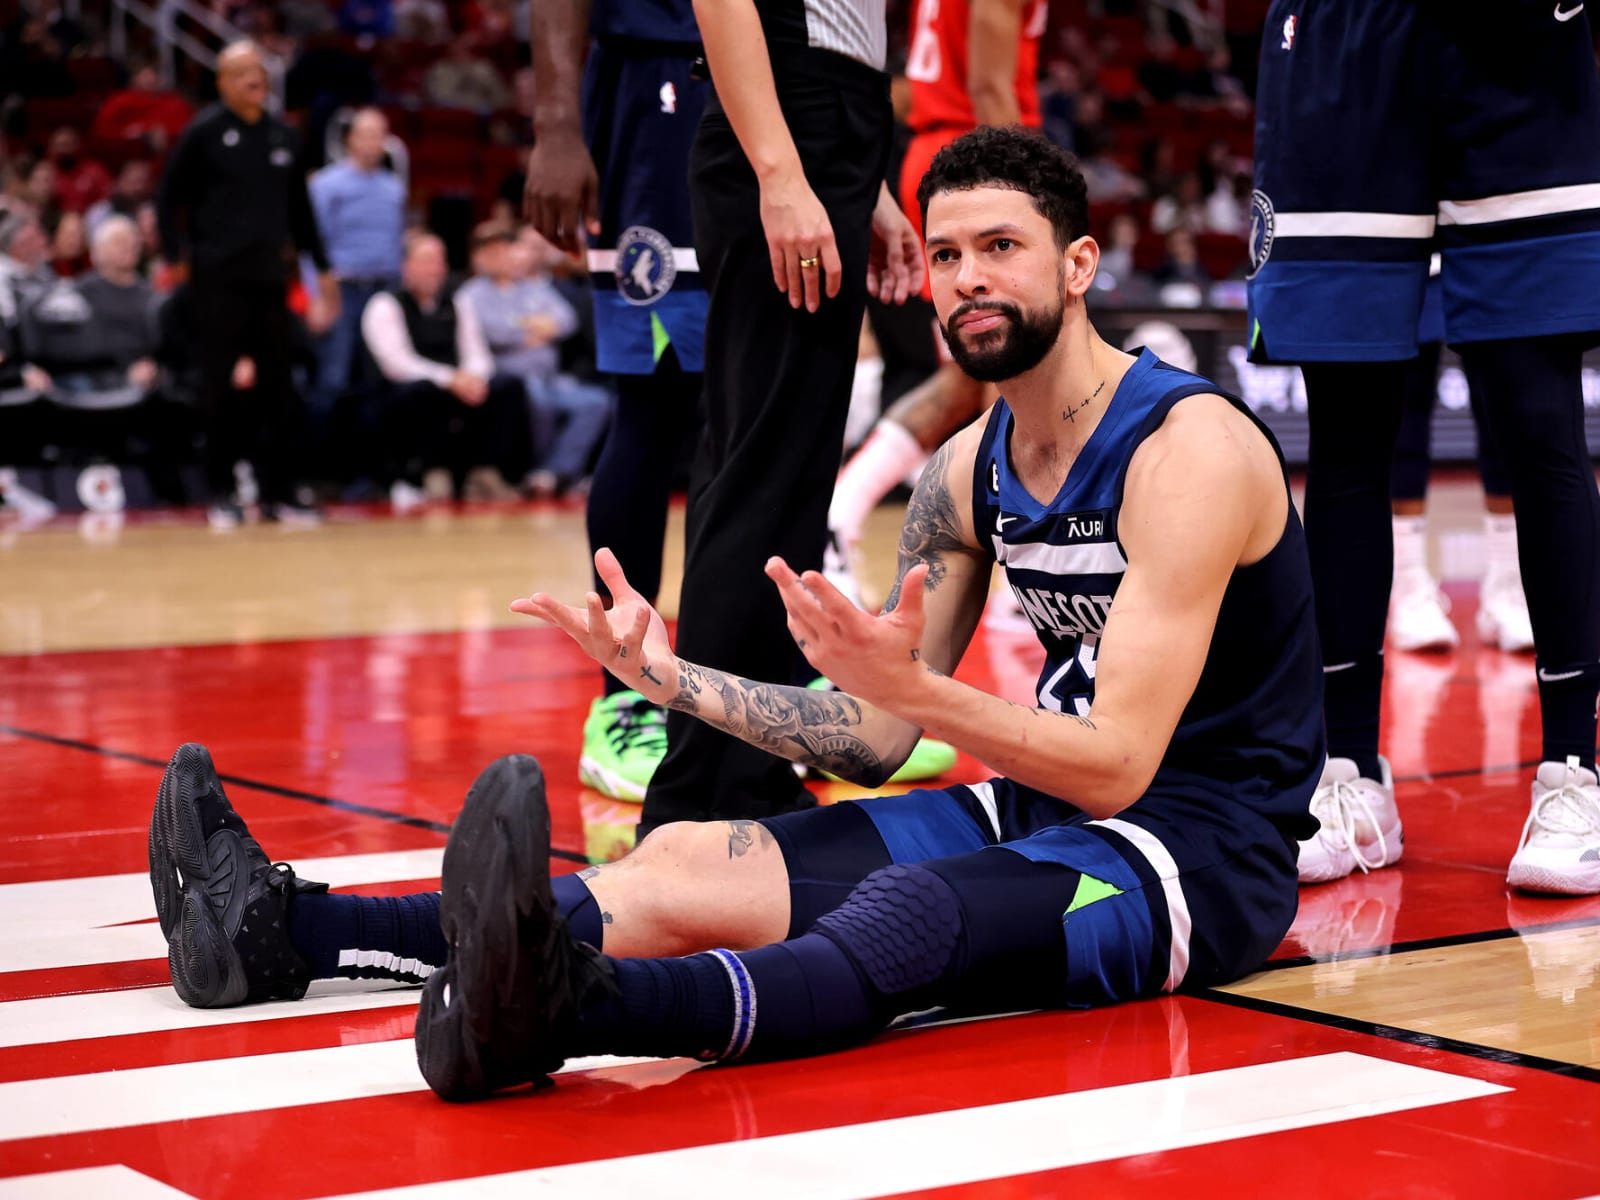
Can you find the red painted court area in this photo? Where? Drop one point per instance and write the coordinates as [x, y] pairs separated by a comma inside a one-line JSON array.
[[350, 756]]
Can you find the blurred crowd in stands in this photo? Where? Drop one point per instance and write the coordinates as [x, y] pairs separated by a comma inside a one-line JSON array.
[[417, 115]]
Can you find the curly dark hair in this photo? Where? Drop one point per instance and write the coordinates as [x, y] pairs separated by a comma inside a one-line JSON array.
[[1023, 160]]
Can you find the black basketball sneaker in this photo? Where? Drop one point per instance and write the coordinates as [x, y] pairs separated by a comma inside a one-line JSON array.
[[223, 905], [497, 1014]]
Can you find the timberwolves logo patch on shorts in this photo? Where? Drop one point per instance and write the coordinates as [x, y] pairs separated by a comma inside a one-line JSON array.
[[645, 269], [1262, 222]]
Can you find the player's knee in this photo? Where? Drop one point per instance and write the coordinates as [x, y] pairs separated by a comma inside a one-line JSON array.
[[901, 926]]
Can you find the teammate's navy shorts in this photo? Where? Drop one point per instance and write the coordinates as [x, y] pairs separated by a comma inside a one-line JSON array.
[[1175, 891], [640, 115], [1386, 129]]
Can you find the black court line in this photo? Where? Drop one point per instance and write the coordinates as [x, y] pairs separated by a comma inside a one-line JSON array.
[[344, 806], [1459, 772], [1410, 1037], [1433, 943]]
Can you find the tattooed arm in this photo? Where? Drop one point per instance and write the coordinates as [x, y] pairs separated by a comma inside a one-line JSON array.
[[827, 730], [937, 532], [835, 731]]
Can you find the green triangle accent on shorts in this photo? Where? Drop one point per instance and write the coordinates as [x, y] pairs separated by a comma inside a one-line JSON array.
[[658, 337], [1255, 332], [1089, 890]]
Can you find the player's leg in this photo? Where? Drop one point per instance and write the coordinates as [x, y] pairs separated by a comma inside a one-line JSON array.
[[775, 425], [1520, 115], [1341, 235], [1502, 620], [719, 884], [624, 736], [1418, 610]]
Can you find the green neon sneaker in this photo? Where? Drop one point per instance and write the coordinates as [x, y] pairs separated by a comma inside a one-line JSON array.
[[624, 740], [929, 759]]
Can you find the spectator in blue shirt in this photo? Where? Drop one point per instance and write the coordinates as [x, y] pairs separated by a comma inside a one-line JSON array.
[[524, 321], [361, 211]]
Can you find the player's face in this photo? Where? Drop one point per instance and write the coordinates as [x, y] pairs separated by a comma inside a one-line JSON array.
[[998, 280]]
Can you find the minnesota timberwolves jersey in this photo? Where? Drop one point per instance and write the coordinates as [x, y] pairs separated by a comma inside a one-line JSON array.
[[1252, 731]]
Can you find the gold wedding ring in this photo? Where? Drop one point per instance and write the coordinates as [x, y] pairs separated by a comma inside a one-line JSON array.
[[811, 262]]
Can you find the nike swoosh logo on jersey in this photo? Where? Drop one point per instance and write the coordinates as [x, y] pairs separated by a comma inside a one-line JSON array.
[[1336, 667], [1000, 521], [1566, 14], [1547, 677]]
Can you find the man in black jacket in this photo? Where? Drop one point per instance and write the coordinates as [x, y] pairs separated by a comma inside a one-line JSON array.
[[232, 198]]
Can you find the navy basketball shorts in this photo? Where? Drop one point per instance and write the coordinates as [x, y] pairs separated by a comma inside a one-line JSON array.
[[1388, 129], [640, 116], [1060, 910]]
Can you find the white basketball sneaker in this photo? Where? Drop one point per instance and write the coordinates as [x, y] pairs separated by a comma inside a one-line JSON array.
[[1560, 848], [1419, 613], [1360, 824], [1503, 613]]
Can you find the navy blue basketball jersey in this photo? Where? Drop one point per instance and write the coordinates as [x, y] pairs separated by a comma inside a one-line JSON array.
[[647, 20], [1253, 730]]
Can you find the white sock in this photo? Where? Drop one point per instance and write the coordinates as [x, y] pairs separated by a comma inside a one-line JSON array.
[[1410, 546], [883, 461], [1500, 546]]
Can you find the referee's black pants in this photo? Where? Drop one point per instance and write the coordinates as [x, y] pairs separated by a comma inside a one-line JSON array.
[[777, 389], [245, 318]]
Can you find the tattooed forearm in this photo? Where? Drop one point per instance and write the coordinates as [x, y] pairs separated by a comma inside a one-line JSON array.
[[819, 729], [1031, 710], [932, 527], [647, 673]]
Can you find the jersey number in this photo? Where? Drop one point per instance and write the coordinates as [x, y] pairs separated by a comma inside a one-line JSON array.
[[923, 62]]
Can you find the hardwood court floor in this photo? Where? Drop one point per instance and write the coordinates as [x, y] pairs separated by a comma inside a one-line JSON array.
[[1421, 1032]]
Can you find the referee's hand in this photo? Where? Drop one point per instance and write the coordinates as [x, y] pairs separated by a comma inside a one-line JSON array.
[[895, 266], [805, 259]]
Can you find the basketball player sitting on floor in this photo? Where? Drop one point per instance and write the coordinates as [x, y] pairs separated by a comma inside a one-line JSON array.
[[1141, 839]]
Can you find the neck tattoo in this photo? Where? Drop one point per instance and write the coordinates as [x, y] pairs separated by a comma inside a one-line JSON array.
[[1071, 414]]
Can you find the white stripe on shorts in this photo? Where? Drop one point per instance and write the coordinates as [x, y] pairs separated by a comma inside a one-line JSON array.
[[1352, 224], [985, 794], [1161, 860], [1513, 206], [606, 260]]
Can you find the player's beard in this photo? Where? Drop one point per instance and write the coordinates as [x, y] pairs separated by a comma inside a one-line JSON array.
[[1017, 346]]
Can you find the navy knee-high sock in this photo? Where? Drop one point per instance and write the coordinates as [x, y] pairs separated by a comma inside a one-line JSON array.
[[789, 999], [1532, 389], [1354, 412], [398, 937], [368, 937]]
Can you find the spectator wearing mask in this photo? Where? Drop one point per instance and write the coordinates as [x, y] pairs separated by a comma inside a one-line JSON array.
[[444, 406], [524, 320], [80, 182]]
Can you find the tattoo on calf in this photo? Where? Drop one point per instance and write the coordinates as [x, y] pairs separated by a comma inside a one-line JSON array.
[[932, 527]]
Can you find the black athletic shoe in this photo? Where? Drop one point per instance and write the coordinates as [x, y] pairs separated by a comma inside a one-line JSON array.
[[221, 902], [497, 1013]]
